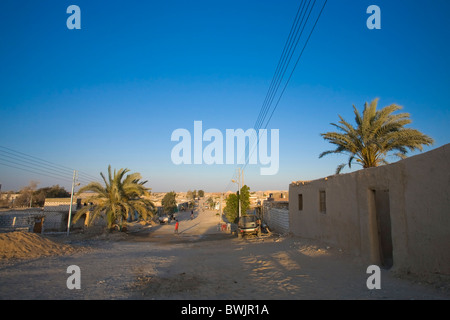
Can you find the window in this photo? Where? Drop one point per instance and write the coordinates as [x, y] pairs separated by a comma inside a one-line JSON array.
[[322, 201], [300, 202]]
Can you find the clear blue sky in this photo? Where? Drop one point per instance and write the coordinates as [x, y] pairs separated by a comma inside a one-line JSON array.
[[114, 91]]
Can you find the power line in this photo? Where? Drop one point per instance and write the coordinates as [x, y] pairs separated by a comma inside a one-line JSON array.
[[46, 163], [284, 61], [282, 65], [32, 167], [293, 69], [38, 173], [25, 162], [295, 65], [58, 177], [16, 158]]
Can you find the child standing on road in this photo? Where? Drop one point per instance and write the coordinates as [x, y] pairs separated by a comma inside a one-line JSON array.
[[176, 226]]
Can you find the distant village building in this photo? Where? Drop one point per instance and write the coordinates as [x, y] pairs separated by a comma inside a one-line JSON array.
[[52, 218], [56, 213]]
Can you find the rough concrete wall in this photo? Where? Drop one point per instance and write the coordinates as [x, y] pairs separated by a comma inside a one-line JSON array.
[[18, 220], [419, 210], [55, 221]]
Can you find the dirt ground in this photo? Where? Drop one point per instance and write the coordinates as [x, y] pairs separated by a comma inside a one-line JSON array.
[[201, 262]]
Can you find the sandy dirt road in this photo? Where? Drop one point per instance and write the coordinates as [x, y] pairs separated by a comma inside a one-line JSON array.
[[201, 262]]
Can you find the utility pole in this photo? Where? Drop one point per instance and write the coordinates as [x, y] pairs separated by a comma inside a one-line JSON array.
[[239, 188], [239, 192], [220, 205], [71, 200]]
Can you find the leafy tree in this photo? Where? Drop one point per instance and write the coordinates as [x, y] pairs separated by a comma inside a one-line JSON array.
[[190, 195], [25, 199], [245, 199], [29, 194], [5, 199], [231, 209], [210, 202], [201, 193], [377, 133], [118, 199], [169, 202], [55, 191]]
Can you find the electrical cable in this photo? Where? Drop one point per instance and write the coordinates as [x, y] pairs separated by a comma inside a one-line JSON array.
[[49, 164], [279, 75], [25, 162]]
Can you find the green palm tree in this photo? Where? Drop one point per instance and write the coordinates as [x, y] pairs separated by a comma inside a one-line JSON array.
[[377, 133], [117, 200]]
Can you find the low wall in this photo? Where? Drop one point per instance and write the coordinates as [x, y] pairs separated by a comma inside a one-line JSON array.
[[15, 220], [276, 215]]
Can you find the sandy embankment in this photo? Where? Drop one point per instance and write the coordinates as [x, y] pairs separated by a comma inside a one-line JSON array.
[[26, 245]]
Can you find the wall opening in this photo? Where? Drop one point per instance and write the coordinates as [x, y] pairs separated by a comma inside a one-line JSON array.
[[300, 202], [322, 201], [383, 221]]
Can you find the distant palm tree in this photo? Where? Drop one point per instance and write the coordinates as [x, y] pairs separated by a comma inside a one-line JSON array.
[[377, 133], [119, 199]]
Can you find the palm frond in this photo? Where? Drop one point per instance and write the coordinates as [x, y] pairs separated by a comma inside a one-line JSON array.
[[339, 168], [118, 199], [377, 132]]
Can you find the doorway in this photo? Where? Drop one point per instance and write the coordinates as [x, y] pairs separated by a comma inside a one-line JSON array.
[[383, 221]]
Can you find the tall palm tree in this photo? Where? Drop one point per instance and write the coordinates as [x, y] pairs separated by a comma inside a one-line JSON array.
[[377, 133], [118, 199]]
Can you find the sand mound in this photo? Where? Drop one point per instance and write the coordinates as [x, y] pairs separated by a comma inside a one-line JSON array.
[[26, 245]]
